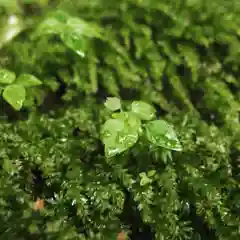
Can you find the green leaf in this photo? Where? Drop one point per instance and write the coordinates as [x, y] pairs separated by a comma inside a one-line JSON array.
[[8, 166], [28, 80], [49, 26], [6, 76], [112, 125], [15, 95], [144, 179], [130, 119], [143, 110], [10, 28], [151, 173], [83, 28], [117, 137], [162, 134], [74, 40], [60, 15], [113, 103]]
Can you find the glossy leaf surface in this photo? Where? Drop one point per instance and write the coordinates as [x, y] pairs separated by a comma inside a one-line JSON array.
[[162, 134], [15, 95], [113, 103], [6, 76], [143, 110], [28, 80], [117, 136]]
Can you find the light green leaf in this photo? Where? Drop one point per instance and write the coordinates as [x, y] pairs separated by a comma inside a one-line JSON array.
[[83, 28], [117, 137], [113, 103], [130, 119], [10, 28], [48, 26], [143, 110], [74, 40], [28, 80], [151, 173], [112, 125], [162, 134], [144, 179], [9, 167], [6, 76], [15, 95]]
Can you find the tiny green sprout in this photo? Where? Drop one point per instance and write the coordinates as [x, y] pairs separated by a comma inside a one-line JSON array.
[[123, 130]]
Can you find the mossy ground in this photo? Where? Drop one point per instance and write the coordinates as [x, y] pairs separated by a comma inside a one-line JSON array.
[[181, 56]]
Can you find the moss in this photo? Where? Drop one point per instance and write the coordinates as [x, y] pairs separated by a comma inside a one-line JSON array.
[[181, 56]]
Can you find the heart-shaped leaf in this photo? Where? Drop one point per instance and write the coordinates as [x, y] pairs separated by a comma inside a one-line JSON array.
[[130, 119], [6, 76], [15, 95], [162, 134], [28, 80], [117, 137], [143, 110], [113, 103]]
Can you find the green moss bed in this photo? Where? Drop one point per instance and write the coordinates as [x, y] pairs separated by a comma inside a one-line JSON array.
[[181, 56]]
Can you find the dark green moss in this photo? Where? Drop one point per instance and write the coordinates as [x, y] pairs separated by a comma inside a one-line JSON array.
[[180, 56]]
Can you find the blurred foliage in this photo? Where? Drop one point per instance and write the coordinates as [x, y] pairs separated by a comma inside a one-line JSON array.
[[181, 56]]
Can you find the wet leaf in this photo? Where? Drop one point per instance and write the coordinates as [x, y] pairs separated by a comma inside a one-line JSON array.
[[162, 134], [117, 137], [143, 110], [130, 119], [49, 26], [113, 125], [83, 28], [74, 40], [113, 103], [6, 76], [15, 95], [28, 80]]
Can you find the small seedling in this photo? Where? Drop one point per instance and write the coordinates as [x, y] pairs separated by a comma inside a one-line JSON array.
[[123, 130]]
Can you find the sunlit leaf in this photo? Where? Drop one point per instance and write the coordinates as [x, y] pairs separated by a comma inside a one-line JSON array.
[[130, 119], [49, 26], [28, 80], [151, 173], [83, 28], [113, 103], [74, 40], [162, 134], [10, 28], [6, 76], [117, 136], [15, 95], [144, 179], [143, 110]]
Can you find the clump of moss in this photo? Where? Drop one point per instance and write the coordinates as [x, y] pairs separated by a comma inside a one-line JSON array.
[[180, 56]]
